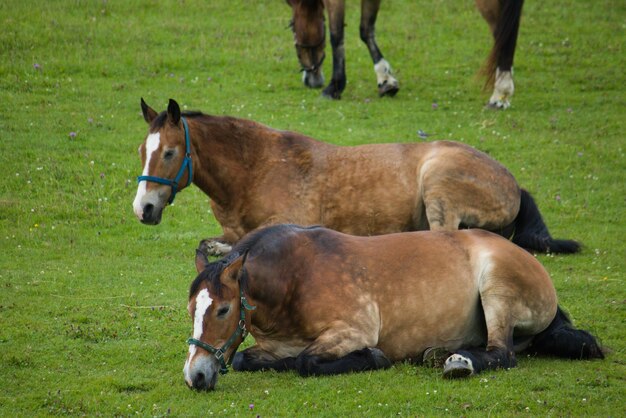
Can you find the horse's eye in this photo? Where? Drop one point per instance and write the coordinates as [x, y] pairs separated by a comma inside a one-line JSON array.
[[168, 154], [223, 311]]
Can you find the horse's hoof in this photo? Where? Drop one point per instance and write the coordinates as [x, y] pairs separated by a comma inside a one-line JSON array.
[[435, 357], [388, 89], [238, 361], [381, 361], [457, 366], [331, 95], [498, 104], [332, 91], [214, 248]]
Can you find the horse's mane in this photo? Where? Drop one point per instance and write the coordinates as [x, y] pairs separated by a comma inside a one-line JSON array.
[[159, 121], [213, 271]]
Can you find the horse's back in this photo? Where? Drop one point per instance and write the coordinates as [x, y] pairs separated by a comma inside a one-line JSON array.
[[376, 184]]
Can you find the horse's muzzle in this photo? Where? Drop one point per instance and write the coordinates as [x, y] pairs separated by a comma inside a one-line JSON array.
[[313, 79], [151, 214], [202, 373]]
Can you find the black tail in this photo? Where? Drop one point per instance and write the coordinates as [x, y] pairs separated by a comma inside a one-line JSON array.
[[561, 339], [532, 233]]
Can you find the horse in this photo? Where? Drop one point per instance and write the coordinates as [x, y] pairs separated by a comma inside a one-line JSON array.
[[309, 31], [257, 176], [321, 302]]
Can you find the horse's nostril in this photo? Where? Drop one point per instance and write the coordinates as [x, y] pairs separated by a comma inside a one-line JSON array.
[[147, 211], [199, 381]]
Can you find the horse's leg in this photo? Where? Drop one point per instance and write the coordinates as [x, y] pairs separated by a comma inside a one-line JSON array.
[[499, 312], [215, 246], [464, 363], [355, 361], [439, 213], [387, 84], [255, 359], [503, 18], [336, 11], [343, 347]]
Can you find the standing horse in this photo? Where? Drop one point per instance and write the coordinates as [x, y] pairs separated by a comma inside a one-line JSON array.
[[258, 176], [322, 302], [503, 17]]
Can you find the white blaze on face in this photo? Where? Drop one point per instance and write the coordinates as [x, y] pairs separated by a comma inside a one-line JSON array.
[[203, 302], [152, 144]]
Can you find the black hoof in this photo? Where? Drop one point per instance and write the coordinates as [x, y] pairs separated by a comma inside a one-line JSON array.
[[332, 91], [388, 90], [435, 357], [238, 361], [381, 361]]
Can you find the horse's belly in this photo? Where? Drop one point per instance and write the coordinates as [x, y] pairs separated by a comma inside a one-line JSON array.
[[433, 313]]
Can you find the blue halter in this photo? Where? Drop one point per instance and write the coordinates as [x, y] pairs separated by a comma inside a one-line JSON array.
[[186, 164]]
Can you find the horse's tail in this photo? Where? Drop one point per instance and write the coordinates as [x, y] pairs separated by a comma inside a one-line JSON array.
[[562, 339], [532, 233], [505, 37]]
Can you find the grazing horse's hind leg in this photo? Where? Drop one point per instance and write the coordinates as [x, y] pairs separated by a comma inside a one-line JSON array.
[[387, 84], [503, 17]]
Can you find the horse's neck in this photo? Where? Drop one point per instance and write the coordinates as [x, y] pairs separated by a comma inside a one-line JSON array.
[[227, 150]]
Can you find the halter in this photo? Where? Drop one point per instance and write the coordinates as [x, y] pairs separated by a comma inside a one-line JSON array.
[[187, 163], [240, 331], [310, 49]]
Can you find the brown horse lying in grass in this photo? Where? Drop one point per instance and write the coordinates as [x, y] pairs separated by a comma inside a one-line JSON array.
[[258, 176], [322, 302]]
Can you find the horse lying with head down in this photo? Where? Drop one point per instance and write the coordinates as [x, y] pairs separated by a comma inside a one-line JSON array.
[[258, 176], [309, 31], [322, 302]]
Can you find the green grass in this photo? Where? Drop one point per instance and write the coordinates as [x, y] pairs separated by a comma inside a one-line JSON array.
[[93, 304]]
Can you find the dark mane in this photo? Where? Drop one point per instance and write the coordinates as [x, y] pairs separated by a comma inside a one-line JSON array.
[[212, 273], [159, 121], [269, 235], [214, 270]]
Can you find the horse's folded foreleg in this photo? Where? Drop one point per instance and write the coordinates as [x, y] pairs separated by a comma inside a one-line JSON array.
[[255, 359]]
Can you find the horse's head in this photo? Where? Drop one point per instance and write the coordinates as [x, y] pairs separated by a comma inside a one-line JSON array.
[[217, 307], [166, 159], [309, 34]]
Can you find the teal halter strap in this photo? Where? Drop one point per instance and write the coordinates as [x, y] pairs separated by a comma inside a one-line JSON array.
[[240, 331], [187, 164]]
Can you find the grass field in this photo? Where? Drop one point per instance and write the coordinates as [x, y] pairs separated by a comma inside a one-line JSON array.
[[93, 314]]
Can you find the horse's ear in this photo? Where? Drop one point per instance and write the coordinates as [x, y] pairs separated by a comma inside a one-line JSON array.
[[201, 261], [173, 112], [231, 272], [148, 113]]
